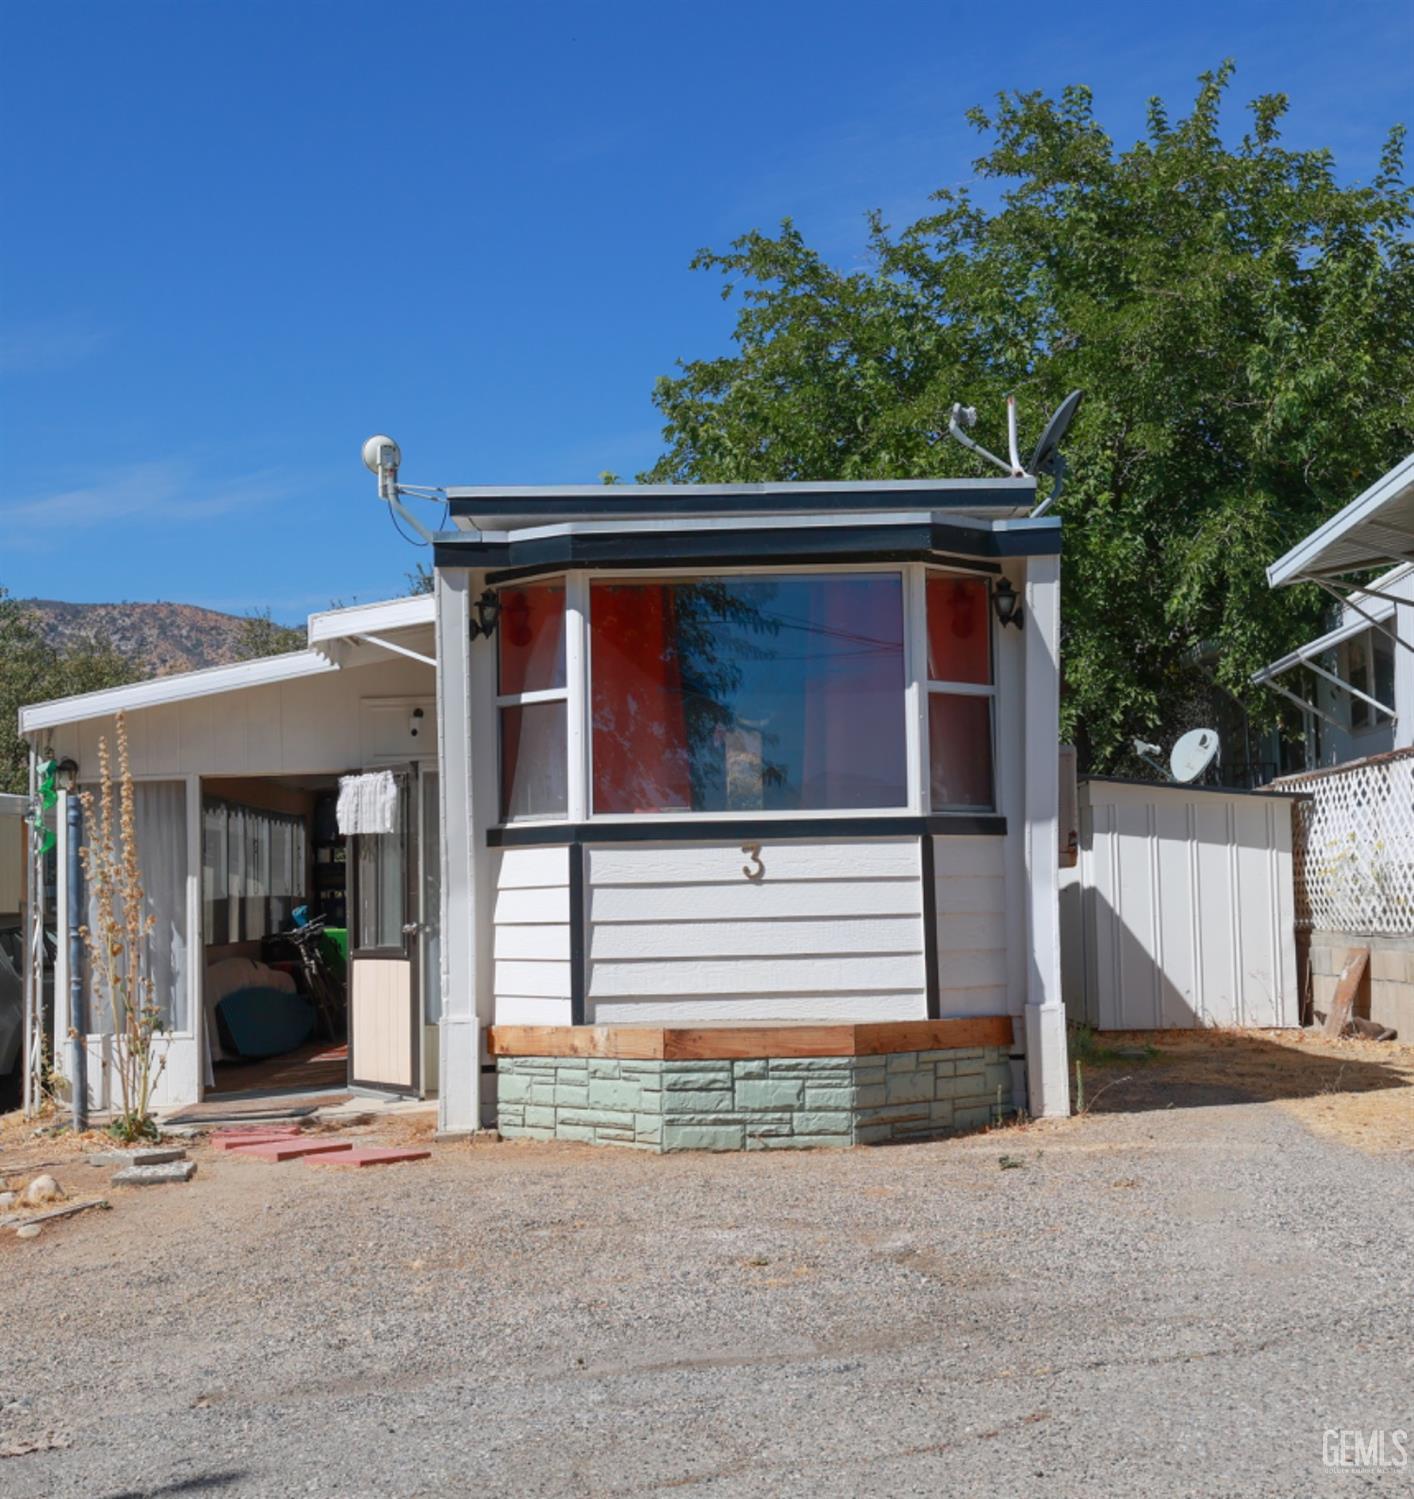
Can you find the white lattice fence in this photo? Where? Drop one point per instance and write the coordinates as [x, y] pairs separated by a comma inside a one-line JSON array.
[[1353, 853]]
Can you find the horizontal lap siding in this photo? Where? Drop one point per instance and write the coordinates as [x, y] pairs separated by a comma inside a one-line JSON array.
[[830, 931], [970, 900], [532, 937]]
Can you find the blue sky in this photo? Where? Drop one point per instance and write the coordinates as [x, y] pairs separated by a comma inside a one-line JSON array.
[[239, 237]]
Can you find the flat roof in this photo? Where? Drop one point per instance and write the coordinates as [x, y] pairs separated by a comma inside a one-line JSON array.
[[1374, 530], [502, 507]]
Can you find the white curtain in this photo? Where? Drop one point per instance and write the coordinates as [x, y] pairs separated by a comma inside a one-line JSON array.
[[253, 870], [235, 885], [257, 875], [160, 824], [214, 875]]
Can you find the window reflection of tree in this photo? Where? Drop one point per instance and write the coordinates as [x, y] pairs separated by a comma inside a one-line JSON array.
[[712, 694], [720, 625]]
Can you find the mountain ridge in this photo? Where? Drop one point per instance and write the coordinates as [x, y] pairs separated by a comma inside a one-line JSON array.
[[164, 637]]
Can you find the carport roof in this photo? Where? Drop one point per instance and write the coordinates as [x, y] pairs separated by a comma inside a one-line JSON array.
[[1372, 531], [326, 630]]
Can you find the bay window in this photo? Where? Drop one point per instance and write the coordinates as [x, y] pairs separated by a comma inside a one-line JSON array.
[[756, 692]]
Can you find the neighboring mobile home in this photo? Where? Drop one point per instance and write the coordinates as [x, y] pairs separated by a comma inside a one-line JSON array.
[[748, 811], [1355, 844]]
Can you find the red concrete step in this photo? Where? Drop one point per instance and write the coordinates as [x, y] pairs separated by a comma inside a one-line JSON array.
[[234, 1139], [290, 1150], [368, 1155]]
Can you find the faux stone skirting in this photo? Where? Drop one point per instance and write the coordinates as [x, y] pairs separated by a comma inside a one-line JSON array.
[[758, 1103]]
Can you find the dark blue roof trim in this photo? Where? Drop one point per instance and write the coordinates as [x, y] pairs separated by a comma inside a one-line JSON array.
[[823, 544], [668, 501]]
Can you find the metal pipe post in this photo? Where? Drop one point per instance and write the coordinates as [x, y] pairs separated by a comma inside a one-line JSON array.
[[78, 1019]]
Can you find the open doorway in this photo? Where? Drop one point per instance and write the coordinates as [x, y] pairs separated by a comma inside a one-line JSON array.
[[322, 951], [274, 935]]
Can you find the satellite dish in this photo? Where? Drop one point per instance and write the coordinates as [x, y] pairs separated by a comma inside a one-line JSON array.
[[381, 452], [1043, 460], [1193, 754]]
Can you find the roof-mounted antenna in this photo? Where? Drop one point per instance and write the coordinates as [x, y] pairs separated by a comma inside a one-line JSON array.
[[382, 456], [1046, 459], [966, 416]]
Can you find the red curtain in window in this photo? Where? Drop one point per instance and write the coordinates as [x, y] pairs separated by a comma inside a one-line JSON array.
[[854, 753], [642, 760]]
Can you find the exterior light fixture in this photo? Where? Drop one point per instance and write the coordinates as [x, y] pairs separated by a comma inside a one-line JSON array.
[[66, 774], [1006, 601], [488, 612]]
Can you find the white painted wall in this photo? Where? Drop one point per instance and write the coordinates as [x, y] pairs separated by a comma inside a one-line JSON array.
[[1185, 912], [976, 926], [532, 936]]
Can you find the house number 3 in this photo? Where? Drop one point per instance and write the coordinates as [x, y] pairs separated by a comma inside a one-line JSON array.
[[753, 851]]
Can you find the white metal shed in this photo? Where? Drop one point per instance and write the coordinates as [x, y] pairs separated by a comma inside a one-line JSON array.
[[1181, 911]]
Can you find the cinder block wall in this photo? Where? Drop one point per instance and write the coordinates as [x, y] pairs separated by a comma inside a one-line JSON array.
[[1391, 980], [758, 1104]]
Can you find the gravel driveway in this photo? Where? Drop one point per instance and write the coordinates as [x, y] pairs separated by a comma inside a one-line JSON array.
[[1165, 1301]]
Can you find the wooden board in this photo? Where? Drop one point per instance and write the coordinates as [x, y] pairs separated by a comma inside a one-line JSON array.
[[710, 1042], [1357, 960]]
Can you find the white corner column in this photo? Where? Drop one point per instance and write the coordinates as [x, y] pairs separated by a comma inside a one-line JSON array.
[[1403, 623], [463, 872], [1047, 1065]]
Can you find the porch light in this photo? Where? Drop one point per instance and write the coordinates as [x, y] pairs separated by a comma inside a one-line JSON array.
[[488, 612], [1006, 601], [66, 773]]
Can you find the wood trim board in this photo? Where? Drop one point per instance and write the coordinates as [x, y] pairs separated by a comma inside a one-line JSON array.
[[741, 1042]]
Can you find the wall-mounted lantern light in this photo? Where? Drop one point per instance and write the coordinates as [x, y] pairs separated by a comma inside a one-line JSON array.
[[66, 775], [1006, 601], [488, 612]]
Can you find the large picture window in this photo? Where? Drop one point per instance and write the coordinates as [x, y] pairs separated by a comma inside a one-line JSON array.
[[960, 693], [761, 693]]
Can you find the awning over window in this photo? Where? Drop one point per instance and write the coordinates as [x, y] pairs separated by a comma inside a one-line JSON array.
[[1377, 610]]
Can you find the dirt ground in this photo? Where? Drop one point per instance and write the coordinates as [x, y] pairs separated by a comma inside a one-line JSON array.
[[1179, 1292], [1351, 1090]]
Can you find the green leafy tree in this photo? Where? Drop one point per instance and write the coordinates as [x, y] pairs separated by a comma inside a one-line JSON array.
[[260, 635], [32, 671], [1241, 321]]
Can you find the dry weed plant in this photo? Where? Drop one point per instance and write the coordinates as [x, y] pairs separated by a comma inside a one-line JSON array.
[[117, 944]]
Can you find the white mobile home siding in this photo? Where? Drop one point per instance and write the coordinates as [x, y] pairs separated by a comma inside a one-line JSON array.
[[678, 933]]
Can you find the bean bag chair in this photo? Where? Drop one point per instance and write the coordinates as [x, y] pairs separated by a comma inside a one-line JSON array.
[[263, 1022]]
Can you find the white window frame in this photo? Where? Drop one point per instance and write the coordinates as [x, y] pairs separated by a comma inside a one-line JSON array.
[[539, 695]]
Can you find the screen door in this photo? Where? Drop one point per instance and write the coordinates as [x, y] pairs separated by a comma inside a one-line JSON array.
[[385, 1007]]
